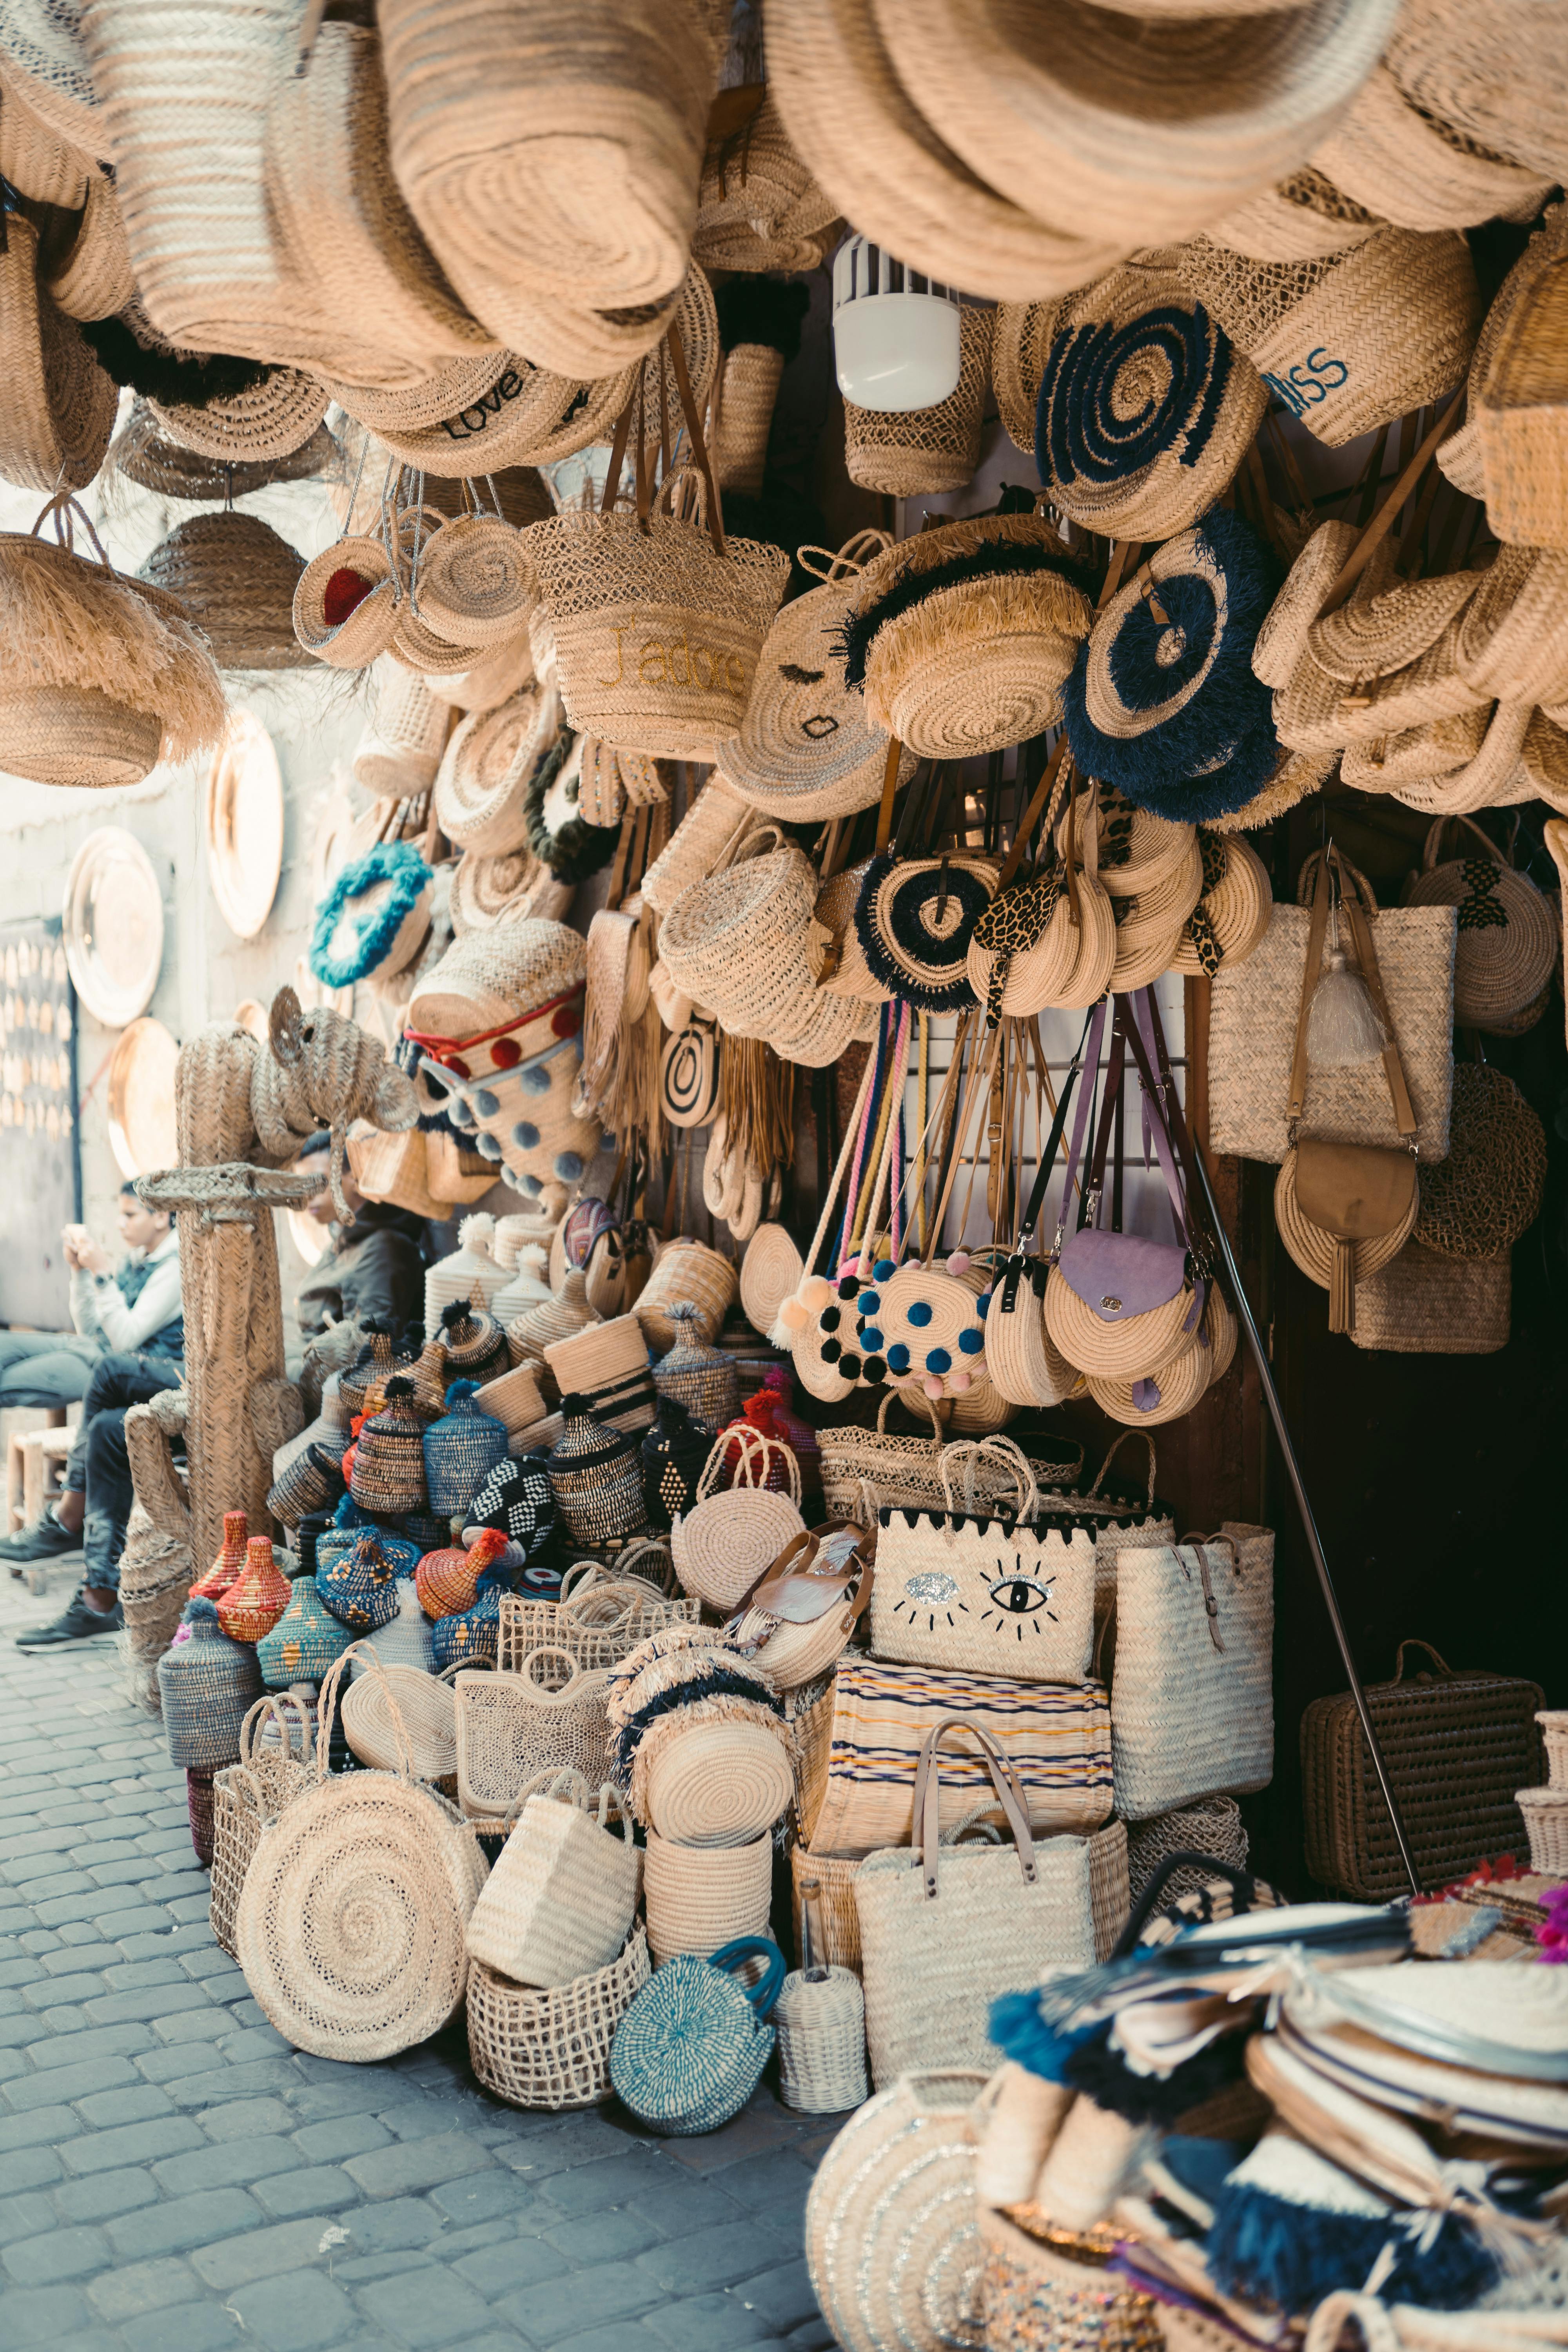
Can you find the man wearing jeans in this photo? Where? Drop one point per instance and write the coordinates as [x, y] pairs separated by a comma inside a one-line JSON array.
[[138, 1324]]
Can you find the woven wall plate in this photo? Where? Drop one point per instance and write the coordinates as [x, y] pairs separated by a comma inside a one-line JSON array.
[[113, 926], [142, 1098], [244, 825]]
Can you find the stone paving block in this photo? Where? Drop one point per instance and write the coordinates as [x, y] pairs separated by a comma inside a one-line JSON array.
[[485, 2196], [193, 2327], [317, 2188], [210, 2022], [132, 1976], [21, 1968], [425, 2308], [262, 2076], [172, 1995], [40, 2315], [99, 2196], [56, 2255], [297, 2314], [245, 2118], [252, 2042], [579, 2299], [783, 2294], [227, 2164], [57, 2083], [192, 1933], [80, 1985], [92, 2042], [228, 2262], [706, 2323], [675, 2206], [88, 2340], [184, 2223], [43, 2126], [715, 2257], [27, 2167], [141, 2142], [416, 2163], [610, 2237], [330, 2141], [135, 2105], [613, 2180], [626, 2336], [509, 2266], [365, 2267], [137, 2287], [167, 2065], [401, 2225]]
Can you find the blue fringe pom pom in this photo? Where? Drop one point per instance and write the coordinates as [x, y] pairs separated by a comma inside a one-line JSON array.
[[1264, 2249]]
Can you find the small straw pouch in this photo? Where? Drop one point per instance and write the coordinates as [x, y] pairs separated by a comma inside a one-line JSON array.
[[735, 1532], [562, 1894]]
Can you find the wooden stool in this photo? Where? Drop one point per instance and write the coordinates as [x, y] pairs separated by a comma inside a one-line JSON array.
[[44, 1454], [18, 1506]]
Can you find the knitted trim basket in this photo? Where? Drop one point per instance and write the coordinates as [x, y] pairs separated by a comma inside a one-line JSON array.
[[1478, 1201], [551, 2049], [905, 452]]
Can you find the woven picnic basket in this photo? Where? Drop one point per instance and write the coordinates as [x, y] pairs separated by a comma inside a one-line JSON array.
[[597, 1621], [551, 2048], [902, 452], [245, 1795], [1424, 1303]]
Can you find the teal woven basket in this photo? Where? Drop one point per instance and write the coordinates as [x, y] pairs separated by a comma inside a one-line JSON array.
[[690, 2050], [304, 1642], [360, 1586]]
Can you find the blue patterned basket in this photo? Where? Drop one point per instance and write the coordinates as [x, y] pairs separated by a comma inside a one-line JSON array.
[[461, 1449], [690, 2050], [360, 1586]]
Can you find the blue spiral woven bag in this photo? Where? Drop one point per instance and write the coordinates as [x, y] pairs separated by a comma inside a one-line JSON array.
[[690, 2050]]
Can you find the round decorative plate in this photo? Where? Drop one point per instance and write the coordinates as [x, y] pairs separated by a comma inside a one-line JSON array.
[[244, 825], [142, 1098], [113, 926]]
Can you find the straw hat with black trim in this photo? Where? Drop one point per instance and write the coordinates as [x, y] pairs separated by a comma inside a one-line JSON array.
[[1417, 169], [807, 748], [235, 578], [481, 788], [1145, 409], [272, 420], [1352, 339], [1233, 911], [57, 415], [1151, 127], [1305, 216], [44, 63]]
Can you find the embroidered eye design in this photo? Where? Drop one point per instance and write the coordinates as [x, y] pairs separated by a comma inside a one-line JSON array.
[[931, 1595], [798, 676], [1021, 1599]]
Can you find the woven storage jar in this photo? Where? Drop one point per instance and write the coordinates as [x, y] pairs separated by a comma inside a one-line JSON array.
[[404, 1640], [350, 1926], [551, 2049], [199, 1813], [656, 633], [1213, 1828], [562, 1897], [359, 1582], [687, 1270], [388, 1472], [460, 1450], [250, 1792], [304, 1642], [606, 1365], [698, 1376], [821, 2025], [1508, 938], [674, 1454], [207, 1685], [154, 1585], [699, 1898], [257, 1597], [512, 1726], [904, 452], [735, 1531], [595, 1478], [529, 1334], [229, 1562]]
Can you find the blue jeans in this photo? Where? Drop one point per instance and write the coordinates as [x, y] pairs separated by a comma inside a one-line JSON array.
[[99, 1464], [46, 1368]]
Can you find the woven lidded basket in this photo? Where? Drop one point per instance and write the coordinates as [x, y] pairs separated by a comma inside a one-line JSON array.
[[903, 452], [687, 1270], [551, 2048], [701, 1377], [657, 622]]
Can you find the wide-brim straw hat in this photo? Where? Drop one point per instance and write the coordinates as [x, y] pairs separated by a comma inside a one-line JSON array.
[[481, 790], [494, 976], [1146, 408], [594, 346], [1305, 216], [35, 160], [145, 453], [904, 453], [59, 405], [274, 418], [44, 63], [562, 166], [1282, 639], [1233, 911], [383, 307], [1149, 127], [474, 416], [1354, 339], [887, 169], [1021, 338], [1498, 79], [962, 638], [807, 748], [758, 207], [235, 578], [1370, 636], [1417, 169]]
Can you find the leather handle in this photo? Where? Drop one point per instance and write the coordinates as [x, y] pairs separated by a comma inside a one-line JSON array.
[[927, 1813]]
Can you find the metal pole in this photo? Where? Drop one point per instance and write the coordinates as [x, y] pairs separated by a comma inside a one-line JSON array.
[[1309, 1526]]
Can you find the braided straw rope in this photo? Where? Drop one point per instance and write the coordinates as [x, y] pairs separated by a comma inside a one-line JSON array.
[[700, 1897], [551, 2049], [905, 452]]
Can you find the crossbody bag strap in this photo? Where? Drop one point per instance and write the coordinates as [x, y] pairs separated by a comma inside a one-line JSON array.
[[1098, 1018], [1316, 932], [1116, 1062], [1043, 1173], [1156, 1123], [1393, 1068], [1183, 1146]]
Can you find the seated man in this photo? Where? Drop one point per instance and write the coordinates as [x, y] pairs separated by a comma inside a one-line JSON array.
[[93, 1510], [125, 1311], [374, 1269]]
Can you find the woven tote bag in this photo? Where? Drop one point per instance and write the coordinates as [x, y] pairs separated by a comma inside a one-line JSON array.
[[859, 1749], [1456, 1747], [1424, 1303], [511, 1727], [969, 1592], [562, 1897], [1252, 1035], [550, 2048], [425, 1718], [932, 1965], [351, 1925], [691, 2048], [246, 1794], [597, 1620], [733, 1533], [1192, 1706]]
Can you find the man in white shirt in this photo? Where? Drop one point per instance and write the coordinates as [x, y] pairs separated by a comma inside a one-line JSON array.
[[136, 1320]]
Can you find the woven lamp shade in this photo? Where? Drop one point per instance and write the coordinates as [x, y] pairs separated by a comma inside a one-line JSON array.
[[235, 578], [151, 458]]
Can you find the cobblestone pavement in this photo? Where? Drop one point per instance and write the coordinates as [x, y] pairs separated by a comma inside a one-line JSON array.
[[174, 2178]]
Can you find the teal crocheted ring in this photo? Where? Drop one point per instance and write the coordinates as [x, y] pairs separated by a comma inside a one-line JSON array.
[[396, 862]]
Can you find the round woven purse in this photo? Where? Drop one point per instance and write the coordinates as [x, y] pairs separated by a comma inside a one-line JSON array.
[[403, 1710], [1508, 942], [733, 1534], [691, 2048], [1478, 1201], [350, 1927]]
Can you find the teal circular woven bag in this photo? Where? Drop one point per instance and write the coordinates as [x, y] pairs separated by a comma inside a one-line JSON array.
[[690, 2050]]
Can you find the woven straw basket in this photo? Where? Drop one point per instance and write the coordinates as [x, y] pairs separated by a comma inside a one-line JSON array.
[[1508, 938], [248, 1794], [686, 1269], [737, 942], [657, 630], [561, 1898], [904, 452], [821, 2024], [512, 1726], [597, 1621], [1424, 1304], [712, 822], [700, 1897], [552, 2049], [732, 1535]]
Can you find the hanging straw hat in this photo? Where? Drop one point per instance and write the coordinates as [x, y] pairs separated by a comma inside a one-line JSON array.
[[36, 160], [1320, 331], [1516, 405], [1282, 639], [92, 279], [44, 63], [960, 639], [1021, 338], [758, 207], [1305, 216], [563, 167], [885, 168], [1512, 641], [400, 751], [1371, 635], [278, 416], [905, 452], [58, 411], [1496, 75], [807, 748], [477, 415], [1417, 169], [236, 579], [1145, 409], [1233, 912], [1149, 127], [488, 767]]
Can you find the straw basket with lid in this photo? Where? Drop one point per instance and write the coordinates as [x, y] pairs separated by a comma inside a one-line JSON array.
[[101, 678], [595, 1478], [905, 452], [697, 1375], [960, 639], [687, 1270]]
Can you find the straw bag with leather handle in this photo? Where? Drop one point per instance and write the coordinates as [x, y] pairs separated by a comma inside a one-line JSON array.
[[971, 1591], [1508, 942], [799, 1617], [942, 1933], [1192, 1708], [735, 1532], [1255, 1010], [1456, 1747], [1345, 1209]]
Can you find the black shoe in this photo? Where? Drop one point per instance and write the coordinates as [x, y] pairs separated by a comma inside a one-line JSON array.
[[79, 1620], [43, 1538]]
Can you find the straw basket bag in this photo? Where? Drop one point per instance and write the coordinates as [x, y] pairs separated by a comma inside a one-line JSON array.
[[248, 1794], [351, 1925], [734, 1532], [405, 1709], [687, 1270], [1191, 1711], [738, 941], [715, 817], [562, 1897], [598, 1619], [699, 1898], [1508, 932], [1060, 2289], [691, 2048], [932, 1967], [713, 1774], [551, 2049], [512, 1726], [1424, 1303], [892, 2243], [904, 452]]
